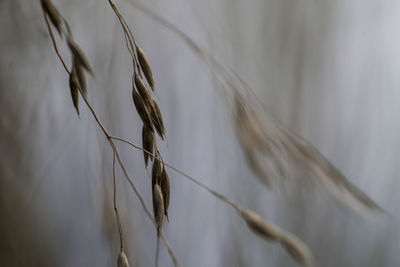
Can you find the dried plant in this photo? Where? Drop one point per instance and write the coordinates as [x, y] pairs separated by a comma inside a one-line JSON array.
[[74, 87], [158, 207], [53, 14], [258, 131], [122, 260], [77, 82], [253, 131], [165, 189], [147, 143]]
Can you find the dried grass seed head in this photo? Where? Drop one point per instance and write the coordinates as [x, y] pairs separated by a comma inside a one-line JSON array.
[[147, 144], [53, 14], [297, 249], [122, 260], [145, 66], [165, 189], [74, 88], [142, 110], [158, 207], [259, 226], [157, 119], [80, 73], [79, 55], [156, 170], [143, 91]]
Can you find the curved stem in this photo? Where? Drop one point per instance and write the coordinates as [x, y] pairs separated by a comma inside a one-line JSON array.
[[128, 36], [121, 238], [187, 176]]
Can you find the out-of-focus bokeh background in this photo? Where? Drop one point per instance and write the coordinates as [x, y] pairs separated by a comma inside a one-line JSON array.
[[329, 70]]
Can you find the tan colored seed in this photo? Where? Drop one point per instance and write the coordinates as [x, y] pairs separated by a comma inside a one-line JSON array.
[[145, 66], [147, 144], [297, 249], [157, 119], [80, 73], [165, 189], [143, 91], [158, 207], [53, 14], [142, 110], [74, 88], [79, 55], [156, 170], [122, 260], [259, 226]]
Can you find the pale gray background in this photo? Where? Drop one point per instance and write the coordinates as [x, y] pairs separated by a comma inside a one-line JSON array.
[[330, 70]]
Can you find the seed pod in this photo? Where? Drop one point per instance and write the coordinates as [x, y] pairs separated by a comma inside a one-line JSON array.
[[259, 226], [79, 55], [165, 189], [53, 14], [156, 170], [74, 88], [142, 110], [158, 207], [297, 249], [147, 143], [143, 91], [145, 66], [122, 260], [80, 73], [157, 119]]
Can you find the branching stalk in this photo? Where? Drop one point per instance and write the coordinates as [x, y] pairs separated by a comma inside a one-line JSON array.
[[115, 151]]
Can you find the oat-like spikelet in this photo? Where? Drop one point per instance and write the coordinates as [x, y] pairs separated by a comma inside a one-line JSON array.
[[142, 110], [53, 14], [157, 119], [156, 170], [165, 189], [259, 226], [297, 249], [80, 73], [158, 207], [143, 91], [267, 142], [122, 260], [79, 55], [74, 87], [145, 66], [147, 143]]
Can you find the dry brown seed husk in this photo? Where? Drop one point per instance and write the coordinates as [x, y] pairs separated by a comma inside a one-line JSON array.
[[143, 91], [142, 110], [147, 144], [158, 207], [157, 119], [156, 170], [259, 226], [80, 73], [79, 55], [122, 260], [165, 189], [53, 14], [145, 66], [297, 249], [74, 88]]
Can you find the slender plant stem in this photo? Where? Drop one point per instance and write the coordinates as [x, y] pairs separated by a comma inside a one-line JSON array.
[[128, 36], [121, 236], [170, 251], [54, 42], [187, 176]]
